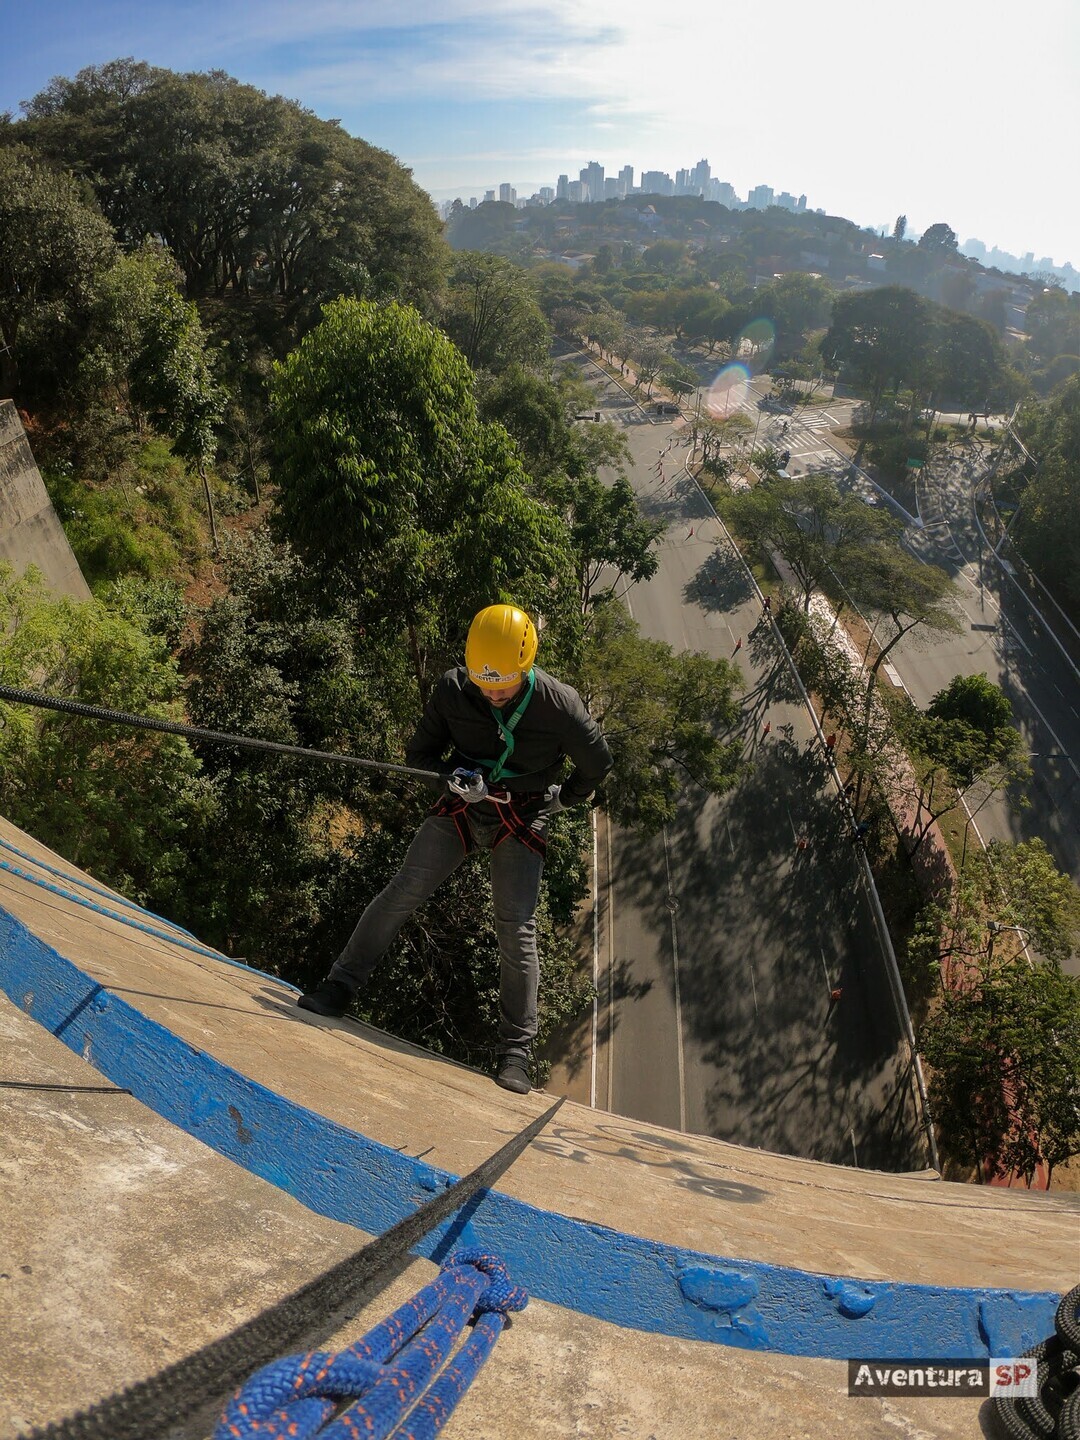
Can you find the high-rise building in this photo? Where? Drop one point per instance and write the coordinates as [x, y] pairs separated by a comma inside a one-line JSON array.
[[626, 180], [760, 198], [561, 188], [723, 193], [472, 202], [699, 177], [547, 194], [592, 182], [682, 182], [507, 194], [786, 201], [576, 192], [611, 188], [489, 196], [802, 203], [657, 182]]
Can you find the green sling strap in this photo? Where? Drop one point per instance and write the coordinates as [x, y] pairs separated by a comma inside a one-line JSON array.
[[507, 728]]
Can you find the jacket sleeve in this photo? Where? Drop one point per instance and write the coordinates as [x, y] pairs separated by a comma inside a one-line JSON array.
[[431, 742], [588, 750]]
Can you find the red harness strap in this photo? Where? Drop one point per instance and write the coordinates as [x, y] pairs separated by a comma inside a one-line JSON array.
[[511, 824]]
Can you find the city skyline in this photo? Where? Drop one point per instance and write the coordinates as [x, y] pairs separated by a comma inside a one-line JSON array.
[[698, 180], [872, 114]]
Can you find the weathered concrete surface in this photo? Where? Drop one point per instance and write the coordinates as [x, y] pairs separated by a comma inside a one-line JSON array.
[[30, 532], [127, 1245]]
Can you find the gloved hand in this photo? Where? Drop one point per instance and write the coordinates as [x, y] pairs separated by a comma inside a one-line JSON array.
[[470, 785], [552, 800], [549, 806]]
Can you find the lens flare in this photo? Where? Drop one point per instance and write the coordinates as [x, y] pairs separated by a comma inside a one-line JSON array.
[[727, 389], [755, 344]]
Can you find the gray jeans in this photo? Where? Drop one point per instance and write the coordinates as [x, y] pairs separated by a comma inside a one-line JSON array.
[[437, 851]]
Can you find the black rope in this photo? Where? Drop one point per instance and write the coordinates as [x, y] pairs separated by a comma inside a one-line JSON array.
[[194, 732], [151, 1408], [1054, 1412]]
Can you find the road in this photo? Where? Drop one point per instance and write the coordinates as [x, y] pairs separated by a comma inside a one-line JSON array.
[[721, 939], [1004, 636]]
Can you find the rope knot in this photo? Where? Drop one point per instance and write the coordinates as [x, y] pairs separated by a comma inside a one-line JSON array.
[[500, 1296]]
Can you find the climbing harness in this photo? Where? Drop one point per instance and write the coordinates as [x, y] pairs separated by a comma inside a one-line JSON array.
[[1054, 1413], [153, 1408], [511, 823], [194, 732], [400, 1375]]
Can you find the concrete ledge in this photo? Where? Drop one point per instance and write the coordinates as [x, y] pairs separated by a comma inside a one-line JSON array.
[[127, 1245], [643, 1227]]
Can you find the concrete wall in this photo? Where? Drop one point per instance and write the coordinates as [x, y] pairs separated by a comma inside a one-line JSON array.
[[30, 532]]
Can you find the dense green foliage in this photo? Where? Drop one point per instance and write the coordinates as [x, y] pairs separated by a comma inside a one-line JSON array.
[[1048, 526], [1005, 1052], [249, 192]]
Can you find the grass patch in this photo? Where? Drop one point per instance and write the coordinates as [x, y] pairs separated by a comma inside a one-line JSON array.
[[148, 521]]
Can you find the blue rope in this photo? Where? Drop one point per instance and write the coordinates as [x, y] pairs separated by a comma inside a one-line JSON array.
[[400, 1376], [88, 885]]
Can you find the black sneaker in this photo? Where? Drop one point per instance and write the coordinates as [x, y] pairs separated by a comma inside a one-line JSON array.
[[513, 1074], [330, 997]]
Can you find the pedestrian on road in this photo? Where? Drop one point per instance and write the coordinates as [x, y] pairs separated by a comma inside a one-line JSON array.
[[830, 742], [802, 843], [768, 727], [766, 605], [495, 708], [836, 995], [690, 532], [862, 829], [738, 644]]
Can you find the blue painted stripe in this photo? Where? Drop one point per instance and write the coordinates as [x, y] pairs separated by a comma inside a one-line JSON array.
[[86, 884], [639, 1283]]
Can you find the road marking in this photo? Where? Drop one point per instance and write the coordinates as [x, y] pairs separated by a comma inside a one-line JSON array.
[[854, 1152], [1053, 733], [678, 996], [1017, 634], [595, 962], [610, 983], [825, 968], [730, 839], [794, 832], [753, 986]]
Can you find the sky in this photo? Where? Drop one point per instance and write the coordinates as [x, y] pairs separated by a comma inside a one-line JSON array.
[[963, 111]]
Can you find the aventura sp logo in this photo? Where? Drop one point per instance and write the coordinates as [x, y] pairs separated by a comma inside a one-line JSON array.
[[1010, 1376]]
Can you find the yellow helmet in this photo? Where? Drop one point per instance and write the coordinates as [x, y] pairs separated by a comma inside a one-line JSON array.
[[501, 647]]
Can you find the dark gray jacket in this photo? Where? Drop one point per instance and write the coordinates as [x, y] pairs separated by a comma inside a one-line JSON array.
[[458, 728]]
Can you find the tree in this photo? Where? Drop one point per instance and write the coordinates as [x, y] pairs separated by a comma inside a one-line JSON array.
[[612, 540], [249, 192], [1005, 1052], [811, 523], [883, 337], [492, 314], [648, 356], [667, 716], [124, 804], [1047, 528], [796, 303], [392, 487], [899, 228], [939, 238], [966, 738], [55, 247]]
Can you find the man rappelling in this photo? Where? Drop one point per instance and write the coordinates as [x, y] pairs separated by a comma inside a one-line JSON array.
[[507, 728]]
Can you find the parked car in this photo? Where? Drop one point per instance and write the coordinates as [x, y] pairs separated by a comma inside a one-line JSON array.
[[666, 407]]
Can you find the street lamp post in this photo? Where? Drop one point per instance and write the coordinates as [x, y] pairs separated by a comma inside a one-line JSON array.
[[996, 928]]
